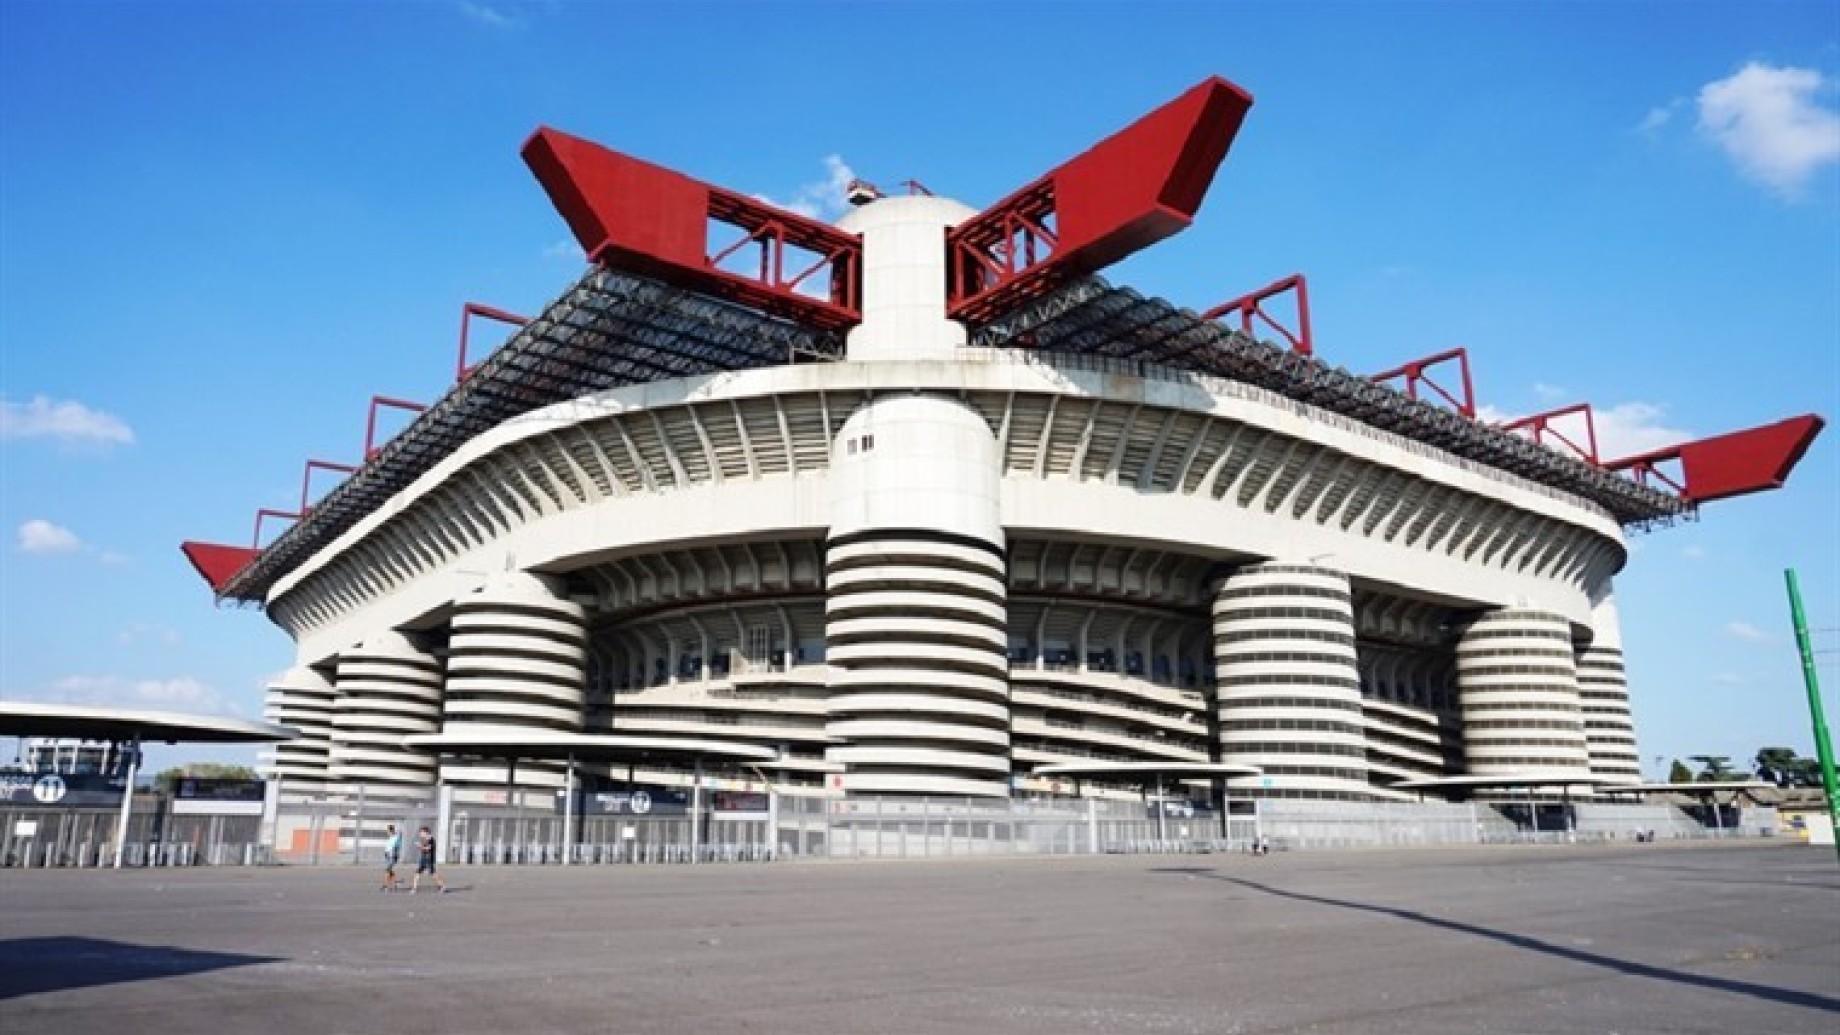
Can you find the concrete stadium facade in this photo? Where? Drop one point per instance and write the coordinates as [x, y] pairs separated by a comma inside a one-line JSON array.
[[930, 566]]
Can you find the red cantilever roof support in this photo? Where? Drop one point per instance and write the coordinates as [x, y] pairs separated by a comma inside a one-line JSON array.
[[306, 479], [216, 562], [1414, 373], [265, 512], [1129, 191], [639, 216], [1734, 464], [1247, 307], [370, 425], [1541, 425], [467, 312]]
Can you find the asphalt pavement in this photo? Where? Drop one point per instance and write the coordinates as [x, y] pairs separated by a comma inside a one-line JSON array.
[[1621, 938]]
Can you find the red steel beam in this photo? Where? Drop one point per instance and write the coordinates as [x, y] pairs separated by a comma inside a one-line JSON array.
[[370, 425], [1247, 307], [217, 563], [630, 213], [306, 479], [1541, 425], [1129, 191], [1735, 464], [467, 312], [1414, 371], [265, 512]]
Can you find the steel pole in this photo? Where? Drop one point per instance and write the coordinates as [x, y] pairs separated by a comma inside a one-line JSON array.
[[1823, 746], [127, 798]]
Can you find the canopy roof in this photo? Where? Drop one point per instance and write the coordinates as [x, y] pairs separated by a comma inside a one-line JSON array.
[[1505, 780], [1148, 769], [30, 719], [582, 746]]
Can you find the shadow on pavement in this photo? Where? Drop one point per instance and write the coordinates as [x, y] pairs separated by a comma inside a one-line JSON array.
[[29, 966], [1521, 941]]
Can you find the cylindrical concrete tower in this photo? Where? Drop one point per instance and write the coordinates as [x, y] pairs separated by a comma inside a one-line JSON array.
[[1603, 692], [303, 699], [1289, 692], [904, 278], [516, 662], [915, 615], [388, 689], [1517, 686]]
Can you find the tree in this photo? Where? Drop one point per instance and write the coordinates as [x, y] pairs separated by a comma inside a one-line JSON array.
[[1679, 773], [1784, 768], [1716, 767], [169, 778]]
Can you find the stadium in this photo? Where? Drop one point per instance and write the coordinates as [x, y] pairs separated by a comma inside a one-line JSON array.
[[918, 506]]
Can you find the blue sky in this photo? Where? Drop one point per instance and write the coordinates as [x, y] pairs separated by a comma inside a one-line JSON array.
[[224, 227]]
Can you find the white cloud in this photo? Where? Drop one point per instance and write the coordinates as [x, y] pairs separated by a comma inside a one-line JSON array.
[[64, 421], [41, 536], [1694, 553], [1549, 393], [182, 694], [485, 14], [564, 249], [1747, 632], [1629, 428], [1625, 429], [1726, 679], [820, 199], [1769, 122]]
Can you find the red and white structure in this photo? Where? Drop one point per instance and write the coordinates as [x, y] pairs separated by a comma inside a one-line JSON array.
[[922, 505]]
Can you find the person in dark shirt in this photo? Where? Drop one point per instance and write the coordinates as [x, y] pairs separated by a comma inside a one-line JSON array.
[[424, 843]]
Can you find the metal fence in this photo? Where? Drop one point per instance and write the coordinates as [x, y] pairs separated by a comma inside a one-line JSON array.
[[528, 831]]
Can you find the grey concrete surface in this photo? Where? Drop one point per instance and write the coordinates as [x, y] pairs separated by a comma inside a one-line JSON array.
[[1650, 938]]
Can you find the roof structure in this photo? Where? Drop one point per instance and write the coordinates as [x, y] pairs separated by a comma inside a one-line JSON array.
[[30, 719], [610, 329], [1091, 317]]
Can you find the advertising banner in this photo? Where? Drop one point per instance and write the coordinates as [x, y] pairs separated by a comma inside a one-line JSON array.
[[637, 800], [59, 791], [216, 797]]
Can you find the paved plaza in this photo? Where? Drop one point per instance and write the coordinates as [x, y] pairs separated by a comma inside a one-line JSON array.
[[1628, 938]]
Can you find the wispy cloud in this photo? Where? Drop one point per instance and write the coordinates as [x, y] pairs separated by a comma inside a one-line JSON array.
[[1659, 117], [1747, 632], [486, 14], [1726, 679], [182, 693], [1549, 393], [819, 199], [1769, 121], [1693, 553], [41, 536], [135, 633], [63, 421], [564, 250]]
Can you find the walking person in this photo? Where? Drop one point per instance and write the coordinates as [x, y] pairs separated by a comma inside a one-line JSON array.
[[392, 854], [424, 844]]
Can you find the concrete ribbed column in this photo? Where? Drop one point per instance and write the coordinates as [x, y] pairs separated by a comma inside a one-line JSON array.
[[1288, 698], [1603, 692], [302, 699], [916, 615], [1517, 687], [388, 689], [517, 661]]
